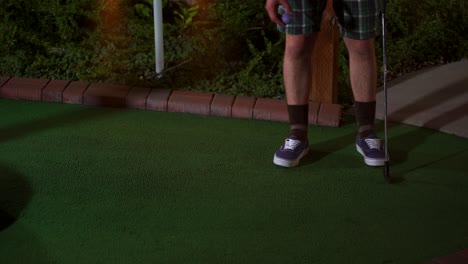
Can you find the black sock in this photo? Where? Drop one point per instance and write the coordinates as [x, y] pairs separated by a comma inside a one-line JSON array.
[[365, 115], [298, 121]]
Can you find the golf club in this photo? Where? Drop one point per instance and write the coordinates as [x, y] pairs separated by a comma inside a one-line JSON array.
[[384, 60]]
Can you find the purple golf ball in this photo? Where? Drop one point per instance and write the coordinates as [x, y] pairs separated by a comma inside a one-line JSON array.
[[286, 18]]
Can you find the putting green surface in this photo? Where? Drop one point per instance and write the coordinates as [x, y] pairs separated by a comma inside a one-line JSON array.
[[97, 185]]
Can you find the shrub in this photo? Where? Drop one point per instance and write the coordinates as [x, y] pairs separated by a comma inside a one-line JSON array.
[[33, 30], [425, 32]]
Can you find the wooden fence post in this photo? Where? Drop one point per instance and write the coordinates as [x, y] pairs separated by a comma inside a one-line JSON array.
[[324, 74]]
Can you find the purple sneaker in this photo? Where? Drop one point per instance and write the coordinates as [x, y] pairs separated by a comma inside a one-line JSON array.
[[371, 149], [291, 152]]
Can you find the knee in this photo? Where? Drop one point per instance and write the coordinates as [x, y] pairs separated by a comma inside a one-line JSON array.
[[299, 47], [360, 48]]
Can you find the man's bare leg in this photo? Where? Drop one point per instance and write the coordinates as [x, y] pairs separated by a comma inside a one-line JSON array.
[[297, 66], [296, 71], [362, 68], [363, 74]]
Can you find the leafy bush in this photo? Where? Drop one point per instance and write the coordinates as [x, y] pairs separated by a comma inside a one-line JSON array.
[[33, 30], [425, 32]]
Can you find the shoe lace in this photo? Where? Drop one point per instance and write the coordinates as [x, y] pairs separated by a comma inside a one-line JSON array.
[[373, 143], [291, 144]]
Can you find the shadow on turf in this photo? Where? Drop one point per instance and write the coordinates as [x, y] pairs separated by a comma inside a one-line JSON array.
[[15, 194], [402, 145], [20, 245], [335, 144], [58, 120]]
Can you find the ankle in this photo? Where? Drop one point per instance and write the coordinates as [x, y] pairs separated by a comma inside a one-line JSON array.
[[301, 134], [298, 121], [365, 131]]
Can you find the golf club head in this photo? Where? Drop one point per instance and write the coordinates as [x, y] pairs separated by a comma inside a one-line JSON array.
[[386, 172]]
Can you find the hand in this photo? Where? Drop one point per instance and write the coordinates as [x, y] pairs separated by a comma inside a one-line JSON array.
[[271, 7]]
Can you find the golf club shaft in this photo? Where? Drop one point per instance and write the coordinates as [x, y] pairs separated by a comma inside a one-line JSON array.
[[384, 60]]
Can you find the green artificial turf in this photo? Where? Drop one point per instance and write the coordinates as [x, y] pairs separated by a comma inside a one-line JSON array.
[[97, 185]]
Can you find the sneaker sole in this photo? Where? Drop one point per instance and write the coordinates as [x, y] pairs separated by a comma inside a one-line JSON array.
[[370, 161], [289, 163]]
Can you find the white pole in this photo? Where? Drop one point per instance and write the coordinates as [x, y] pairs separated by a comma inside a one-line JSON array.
[[158, 37]]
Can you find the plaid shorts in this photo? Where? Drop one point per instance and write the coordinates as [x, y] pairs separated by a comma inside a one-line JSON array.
[[358, 19]]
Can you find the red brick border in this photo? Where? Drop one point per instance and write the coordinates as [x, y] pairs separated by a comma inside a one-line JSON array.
[[460, 257], [103, 94], [53, 92], [157, 99], [3, 80], [24, 88], [328, 114], [463, 253], [190, 102], [222, 105], [137, 96], [73, 94], [314, 109], [271, 109], [243, 107]]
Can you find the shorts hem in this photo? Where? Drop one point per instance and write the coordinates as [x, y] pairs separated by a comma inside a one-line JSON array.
[[292, 31], [358, 36]]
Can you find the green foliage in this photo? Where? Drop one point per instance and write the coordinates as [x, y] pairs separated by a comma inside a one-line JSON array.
[[232, 81], [57, 63], [33, 30], [176, 12], [267, 60], [144, 10], [425, 32], [240, 20], [184, 16]]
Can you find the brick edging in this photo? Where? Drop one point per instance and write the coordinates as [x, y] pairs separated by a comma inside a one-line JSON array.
[[460, 256], [165, 100]]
